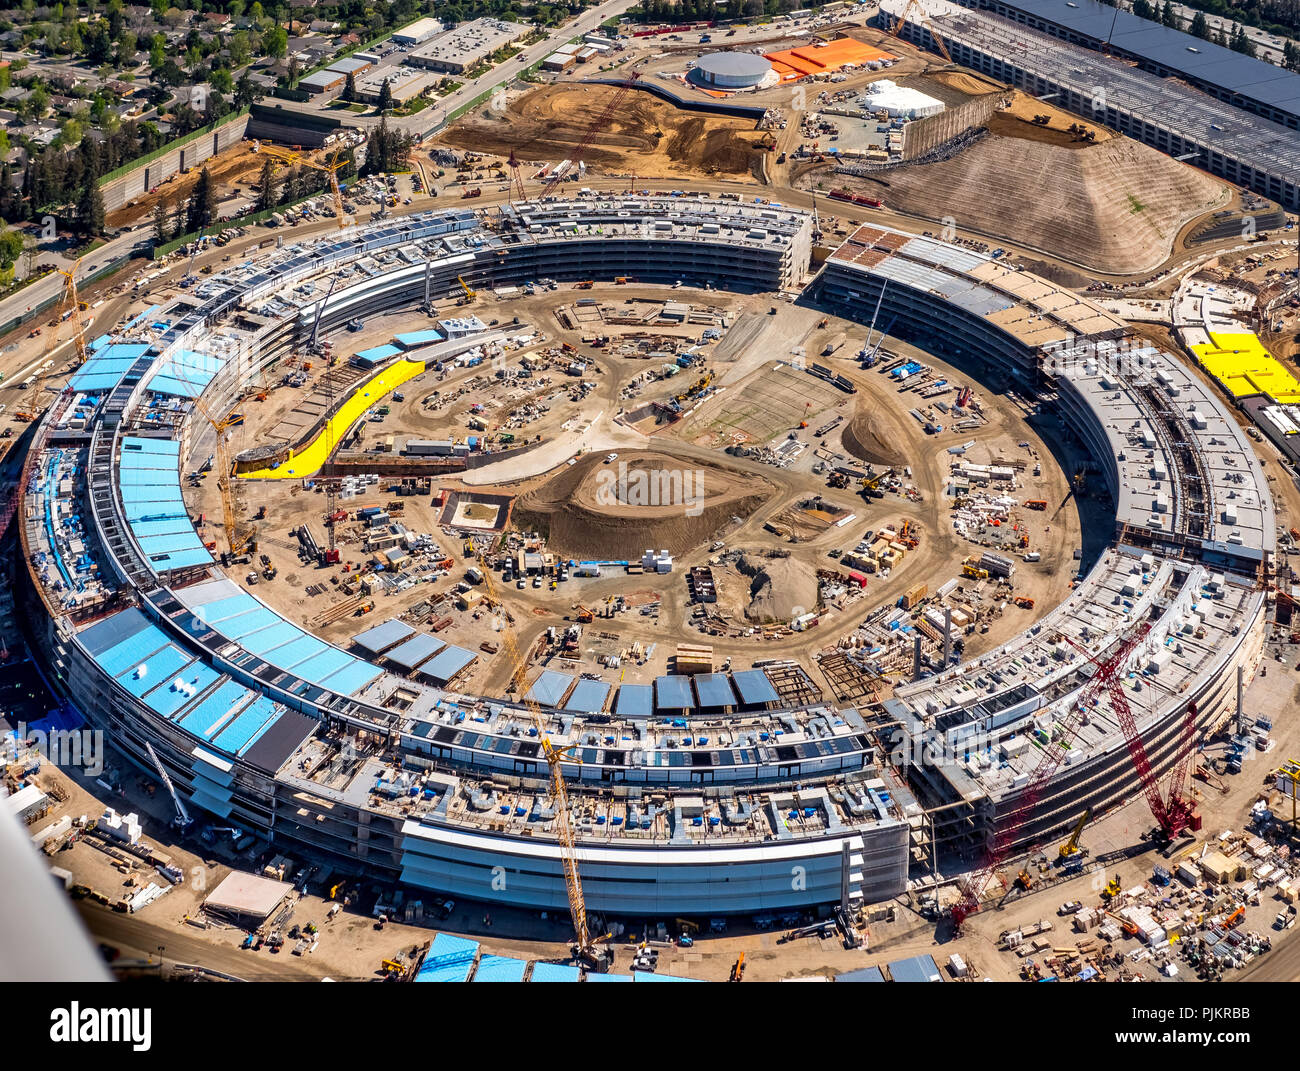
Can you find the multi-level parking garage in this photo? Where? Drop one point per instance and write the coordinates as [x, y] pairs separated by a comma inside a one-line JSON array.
[[705, 795], [1240, 146]]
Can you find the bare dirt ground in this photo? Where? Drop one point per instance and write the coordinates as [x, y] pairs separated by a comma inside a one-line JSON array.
[[238, 164], [1112, 205], [644, 135], [582, 510]]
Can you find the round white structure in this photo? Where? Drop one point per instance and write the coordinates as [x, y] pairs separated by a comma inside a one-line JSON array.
[[731, 70], [898, 101]]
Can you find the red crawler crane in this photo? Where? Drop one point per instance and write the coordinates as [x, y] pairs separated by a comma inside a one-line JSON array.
[[1008, 830], [1174, 814], [596, 127]]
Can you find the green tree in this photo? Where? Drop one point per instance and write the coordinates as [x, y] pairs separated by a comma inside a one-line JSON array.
[[220, 80], [275, 43], [126, 49], [39, 101], [1200, 26], [245, 91], [349, 93], [157, 52], [203, 203], [160, 221], [1291, 56], [385, 98], [266, 186], [1169, 17], [90, 208], [239, 48]]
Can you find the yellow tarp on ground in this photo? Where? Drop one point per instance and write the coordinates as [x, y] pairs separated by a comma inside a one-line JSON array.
[[308, 461], [1240, 362]]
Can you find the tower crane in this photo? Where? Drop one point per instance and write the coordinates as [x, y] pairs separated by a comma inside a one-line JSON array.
[[182, 820], [69, 303], [237, 542], [516, 179], [1109, 669], [925, 21], [331, 168], [585, 947]]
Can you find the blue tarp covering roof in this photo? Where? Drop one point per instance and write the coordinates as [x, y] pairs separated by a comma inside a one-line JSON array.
[[555, 972], [714, 690], [548, 690], [754, 687], [673, 692], [634, 701], [378, 353], [500, 969], [150, 483], [588, 697], [382, 637], [865, 974], [417, 338], [185, 374], [144, 661], [446, 664], [239, 616], [419, 648], [449, 959], [594, 977], [647, 976], [920, 968], [104, 370]]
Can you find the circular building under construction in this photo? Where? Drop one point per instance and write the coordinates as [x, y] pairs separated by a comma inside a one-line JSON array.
[[732, 70]]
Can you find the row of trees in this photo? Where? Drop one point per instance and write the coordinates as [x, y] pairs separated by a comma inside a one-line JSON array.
[[655, 11], [1199, 26], [1275, 16]]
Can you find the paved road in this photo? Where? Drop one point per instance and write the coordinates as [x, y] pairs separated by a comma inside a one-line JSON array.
[[1265, 49], [432, 118], [136, 937]]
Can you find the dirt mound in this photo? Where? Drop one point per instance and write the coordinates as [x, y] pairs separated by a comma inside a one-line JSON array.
[[644, 499], [868, 439], [1115, 206], [779, 589], [643, 134]]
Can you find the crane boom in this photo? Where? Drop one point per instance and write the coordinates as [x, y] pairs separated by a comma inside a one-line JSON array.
[[601, 123], [1053, 753], [331, 169], [182, 820], [585, 946], [925, 21]]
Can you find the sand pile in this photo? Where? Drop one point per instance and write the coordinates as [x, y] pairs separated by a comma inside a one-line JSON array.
[[1114, 206], [869, 438], [779, 588], [644, 499]]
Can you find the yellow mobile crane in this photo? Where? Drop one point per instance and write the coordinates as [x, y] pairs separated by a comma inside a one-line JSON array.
[[470, 295], [1070, 850], [331, 168], [584, 947]]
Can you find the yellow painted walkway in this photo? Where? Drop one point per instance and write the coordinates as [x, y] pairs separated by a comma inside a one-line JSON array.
[[309, 460]]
